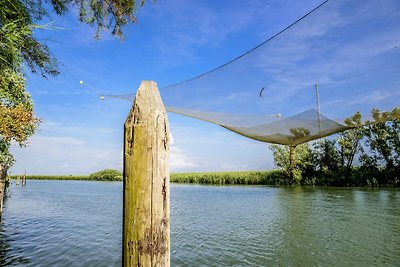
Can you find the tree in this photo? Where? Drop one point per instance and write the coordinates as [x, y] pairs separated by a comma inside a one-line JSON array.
[[17, 121], [350, 142], [326, 156], [18, 44], [110, 15], [19, 47], [301, 164], [103, 14], [384, 139]]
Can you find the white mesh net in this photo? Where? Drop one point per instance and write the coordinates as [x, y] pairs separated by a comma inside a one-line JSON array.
[[350, 48]]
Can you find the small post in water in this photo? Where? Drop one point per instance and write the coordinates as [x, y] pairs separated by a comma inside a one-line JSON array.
[[146, 216], [24, 179]]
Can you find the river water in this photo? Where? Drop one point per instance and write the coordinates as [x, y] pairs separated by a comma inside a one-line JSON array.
[[77, 223]]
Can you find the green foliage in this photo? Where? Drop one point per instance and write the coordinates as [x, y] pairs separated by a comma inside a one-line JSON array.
[[17, 122], [232, 178], [6, 159], [19, 47], [281, 156], [303, 160], [109, 15], [326, 157], [106, 175], [349, 142], [361, 156], [18, 44], [354, 120], [67, 177], [384, 140], [274, 177], [53, 177]]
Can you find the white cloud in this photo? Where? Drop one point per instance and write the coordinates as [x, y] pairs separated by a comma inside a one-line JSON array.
[[64, 155], [48, 141], [179, 160], [195, 24], [205, 147]]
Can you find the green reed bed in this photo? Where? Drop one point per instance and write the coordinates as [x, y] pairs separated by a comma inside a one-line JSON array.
[[273, 177], [53, 177], [104, 175]]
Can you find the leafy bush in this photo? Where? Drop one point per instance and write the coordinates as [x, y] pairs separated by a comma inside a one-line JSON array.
[[106, 175]]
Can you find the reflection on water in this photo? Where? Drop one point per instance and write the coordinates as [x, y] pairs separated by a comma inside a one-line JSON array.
[[76, 223]]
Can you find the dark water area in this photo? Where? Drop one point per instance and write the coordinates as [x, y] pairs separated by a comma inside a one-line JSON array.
[[78, 223]]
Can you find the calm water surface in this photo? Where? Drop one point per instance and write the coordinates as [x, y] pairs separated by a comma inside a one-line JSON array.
[[76, 223]]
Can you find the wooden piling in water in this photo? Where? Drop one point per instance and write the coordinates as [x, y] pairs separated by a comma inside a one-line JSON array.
[[3, 174], [18, 179], [24, 179], [146, 215]]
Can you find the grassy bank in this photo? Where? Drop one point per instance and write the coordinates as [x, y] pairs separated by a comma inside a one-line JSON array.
[[357, 178], [65, 177], [104, 175], [272, 177]]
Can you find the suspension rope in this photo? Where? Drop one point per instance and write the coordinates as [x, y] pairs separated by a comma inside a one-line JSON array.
[[249, 51]]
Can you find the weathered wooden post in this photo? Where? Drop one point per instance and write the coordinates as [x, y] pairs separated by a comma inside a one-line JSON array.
[[17, 182], [146, 222], [24, 179], [3, 174]]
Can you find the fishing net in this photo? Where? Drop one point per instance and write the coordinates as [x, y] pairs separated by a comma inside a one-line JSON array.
[[325, 73]]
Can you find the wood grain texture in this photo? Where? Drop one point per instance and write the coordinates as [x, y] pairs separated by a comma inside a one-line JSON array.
[[146, 220]]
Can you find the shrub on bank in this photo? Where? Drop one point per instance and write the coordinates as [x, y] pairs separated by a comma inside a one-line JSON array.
[[106, 175]]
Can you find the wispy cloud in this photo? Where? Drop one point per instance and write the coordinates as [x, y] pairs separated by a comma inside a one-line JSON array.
[[213, 148], [344, 47], [64, 155], [188, 27], [179, 160]]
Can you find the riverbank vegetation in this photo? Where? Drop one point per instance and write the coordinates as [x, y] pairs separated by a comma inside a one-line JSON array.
[[51, 177], [272, 177], [104, 175], [363, 156]]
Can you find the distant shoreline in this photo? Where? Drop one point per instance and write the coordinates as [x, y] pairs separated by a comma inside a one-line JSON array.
[[54, 177], [269, 177], [220, 178]]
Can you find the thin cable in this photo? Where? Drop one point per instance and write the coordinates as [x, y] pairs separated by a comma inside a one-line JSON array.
[[124, 96], [249, 51]]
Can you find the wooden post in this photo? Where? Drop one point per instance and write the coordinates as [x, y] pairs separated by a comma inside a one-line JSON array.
[[146, 222], [3, 174], [17, 182], [24, 179]]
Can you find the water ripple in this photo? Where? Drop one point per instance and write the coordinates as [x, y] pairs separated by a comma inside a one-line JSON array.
[[73, 223]]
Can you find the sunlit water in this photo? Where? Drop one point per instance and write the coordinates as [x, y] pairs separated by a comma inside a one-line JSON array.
[[76, 223]]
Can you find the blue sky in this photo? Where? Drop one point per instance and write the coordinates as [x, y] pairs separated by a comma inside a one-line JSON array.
[[176, 40]]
